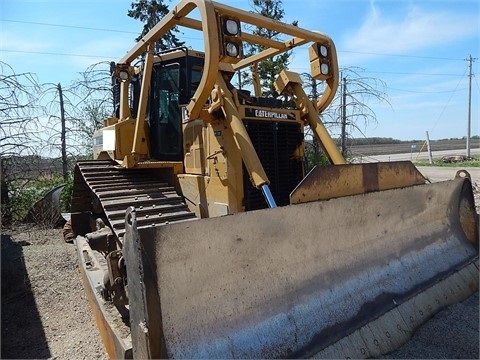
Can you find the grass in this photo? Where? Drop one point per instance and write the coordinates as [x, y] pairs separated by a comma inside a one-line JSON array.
[[474, 162]]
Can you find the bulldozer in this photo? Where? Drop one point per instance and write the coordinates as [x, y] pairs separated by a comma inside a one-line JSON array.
[[200, 235]]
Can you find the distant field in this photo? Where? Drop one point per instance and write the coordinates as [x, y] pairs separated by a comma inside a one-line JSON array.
[[406, 147]]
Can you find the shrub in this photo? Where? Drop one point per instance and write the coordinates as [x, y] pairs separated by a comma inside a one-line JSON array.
[[23, 194]]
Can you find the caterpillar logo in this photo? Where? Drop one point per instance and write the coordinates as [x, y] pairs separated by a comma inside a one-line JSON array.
[[268, 114]]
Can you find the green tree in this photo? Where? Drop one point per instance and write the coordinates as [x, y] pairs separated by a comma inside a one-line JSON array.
[[268, 69], [150, 12]]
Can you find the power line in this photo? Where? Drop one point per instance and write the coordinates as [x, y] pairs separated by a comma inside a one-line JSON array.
[[449, 99], [392, 72], [400, 55], [423, 92], [111, 57], [69, 26], [476, 82], [83, 28], [56, 54], [136, 33], [408, 73]]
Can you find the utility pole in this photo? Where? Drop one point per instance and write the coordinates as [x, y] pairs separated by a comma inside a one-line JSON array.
[[240, 80], [469, 114], [343, 143], [63, 134], [430, 160], [314, 85]]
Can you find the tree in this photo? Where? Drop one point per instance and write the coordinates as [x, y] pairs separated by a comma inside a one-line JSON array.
[[19, 94], [95, 103], [81, 108], [21, 142], [150, 12], [19, 129], [350, 109], [41, 122], [269, 69], [357, 91]]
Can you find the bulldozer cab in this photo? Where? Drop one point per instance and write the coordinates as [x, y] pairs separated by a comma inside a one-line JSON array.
[[175, 78]]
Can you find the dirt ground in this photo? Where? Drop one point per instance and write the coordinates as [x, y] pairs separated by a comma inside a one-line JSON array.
[[45, 314]]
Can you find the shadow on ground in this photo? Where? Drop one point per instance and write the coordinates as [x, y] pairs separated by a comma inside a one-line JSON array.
[[22, 331]]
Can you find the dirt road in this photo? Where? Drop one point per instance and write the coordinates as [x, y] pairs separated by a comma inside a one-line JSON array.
[[414, 156], [434, 173]]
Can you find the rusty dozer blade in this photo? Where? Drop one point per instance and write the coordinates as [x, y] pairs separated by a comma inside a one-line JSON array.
[[328, 182], [348, 277]]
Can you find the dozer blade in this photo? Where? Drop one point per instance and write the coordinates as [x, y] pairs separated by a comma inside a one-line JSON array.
[[348, 277], [328, 182]]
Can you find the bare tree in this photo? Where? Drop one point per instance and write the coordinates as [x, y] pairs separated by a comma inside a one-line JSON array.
[[40, 123], [96, 102], [357, 97], [21, 137], [81, 107], [19, 94], [18, 126], [353, 106]]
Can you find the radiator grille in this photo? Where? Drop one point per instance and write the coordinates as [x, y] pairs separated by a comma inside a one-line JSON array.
[[275, 143]]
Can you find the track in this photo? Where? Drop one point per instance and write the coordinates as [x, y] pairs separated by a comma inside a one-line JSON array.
[[116, 188]]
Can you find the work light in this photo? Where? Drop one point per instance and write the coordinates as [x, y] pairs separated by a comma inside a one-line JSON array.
[[232, 27], [324, 68], [123, 75], [231, 47], [323, 50], [320, 61]]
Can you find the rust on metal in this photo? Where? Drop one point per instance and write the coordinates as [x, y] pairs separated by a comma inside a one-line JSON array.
[[116, 346], [67, 232], [324, 270], [327, 182], [145, 314], [102, 189]]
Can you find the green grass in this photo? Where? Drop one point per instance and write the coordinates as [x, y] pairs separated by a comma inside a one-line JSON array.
[[475, 162]]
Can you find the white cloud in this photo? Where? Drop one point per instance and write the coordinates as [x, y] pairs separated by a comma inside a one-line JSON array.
[[418, 29], [12, 42]]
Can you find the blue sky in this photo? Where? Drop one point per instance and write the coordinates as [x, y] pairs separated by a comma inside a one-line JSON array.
[[417, 47]]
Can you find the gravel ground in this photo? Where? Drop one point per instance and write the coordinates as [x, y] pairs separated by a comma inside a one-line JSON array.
[[45, 314], [450, 334]]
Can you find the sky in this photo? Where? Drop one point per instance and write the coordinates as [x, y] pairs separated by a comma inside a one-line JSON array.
[[418, 48]]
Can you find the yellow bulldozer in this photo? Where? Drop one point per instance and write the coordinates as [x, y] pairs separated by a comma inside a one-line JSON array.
[[199, 234]]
